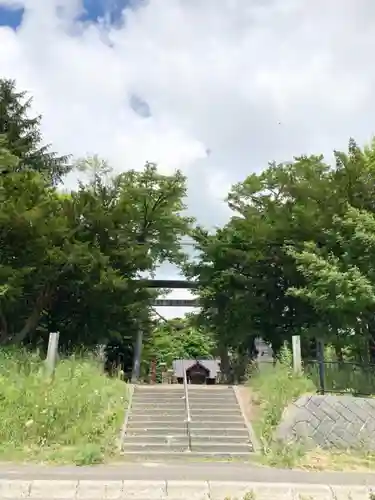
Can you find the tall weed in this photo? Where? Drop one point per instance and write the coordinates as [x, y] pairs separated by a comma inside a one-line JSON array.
[[80, 406]]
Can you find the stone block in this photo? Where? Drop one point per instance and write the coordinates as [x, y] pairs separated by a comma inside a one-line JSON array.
[[61, 490], [330, 422], [152, 490], [14, 489], [192, 490]]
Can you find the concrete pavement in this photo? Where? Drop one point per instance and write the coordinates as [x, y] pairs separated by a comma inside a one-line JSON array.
[[195, 471], [173, 490], [180, 481]]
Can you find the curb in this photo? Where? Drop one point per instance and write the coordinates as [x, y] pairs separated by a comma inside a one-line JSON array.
[[157, 490], [252, 436], [124, 427]]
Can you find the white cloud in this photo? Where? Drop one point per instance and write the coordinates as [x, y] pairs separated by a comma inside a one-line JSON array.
[[230, 84]]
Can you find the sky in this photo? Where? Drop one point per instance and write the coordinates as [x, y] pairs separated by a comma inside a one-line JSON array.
[[217, 88]]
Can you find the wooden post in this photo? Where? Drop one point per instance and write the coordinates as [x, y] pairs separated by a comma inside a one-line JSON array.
[[297, 361], [53, 347]]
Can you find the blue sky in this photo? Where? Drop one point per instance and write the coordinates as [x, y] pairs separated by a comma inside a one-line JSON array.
[[94, 10], [10, 17]]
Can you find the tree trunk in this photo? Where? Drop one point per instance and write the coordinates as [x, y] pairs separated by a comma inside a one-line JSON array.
[[32, 321]]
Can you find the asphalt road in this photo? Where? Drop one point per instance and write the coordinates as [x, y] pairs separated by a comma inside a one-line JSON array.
[[184, 472]]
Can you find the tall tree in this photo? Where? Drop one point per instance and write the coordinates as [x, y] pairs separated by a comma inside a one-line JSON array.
[[249, 276], [71, 261], [244, 270], [23, 136]]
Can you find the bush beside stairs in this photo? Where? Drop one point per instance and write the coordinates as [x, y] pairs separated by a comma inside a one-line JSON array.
[[156, 424]]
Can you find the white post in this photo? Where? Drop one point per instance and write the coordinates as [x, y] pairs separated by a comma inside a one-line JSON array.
[[137, 357], [297, 362], [53, 346]]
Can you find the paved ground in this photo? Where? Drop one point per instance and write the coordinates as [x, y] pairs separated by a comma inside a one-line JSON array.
[[195, 481], [173, 490], [201, 471]]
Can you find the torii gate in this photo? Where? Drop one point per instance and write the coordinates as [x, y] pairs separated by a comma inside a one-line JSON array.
[[174, 284]]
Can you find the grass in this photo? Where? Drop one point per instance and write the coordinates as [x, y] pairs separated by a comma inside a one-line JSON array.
[[274, 388], [74, 418]]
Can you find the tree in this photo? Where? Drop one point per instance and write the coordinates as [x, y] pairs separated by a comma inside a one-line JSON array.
[[244, 269], [23, 137], [178, 338], [32, 228], [340, 278], [134, 221], [71, 261], [251, 282]]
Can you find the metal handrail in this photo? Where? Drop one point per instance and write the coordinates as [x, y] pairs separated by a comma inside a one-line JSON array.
[[187, 407]]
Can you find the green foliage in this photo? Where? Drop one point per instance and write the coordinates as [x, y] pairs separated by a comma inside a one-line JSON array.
[[73, 417], [296, 256], [178, 338], [341, 282], [274, 388], [70, 261], [23, 137]]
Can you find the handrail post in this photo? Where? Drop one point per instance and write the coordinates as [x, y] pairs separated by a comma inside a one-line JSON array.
[[187, 407]]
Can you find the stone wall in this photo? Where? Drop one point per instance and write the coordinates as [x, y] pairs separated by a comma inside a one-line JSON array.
[[328, 421]]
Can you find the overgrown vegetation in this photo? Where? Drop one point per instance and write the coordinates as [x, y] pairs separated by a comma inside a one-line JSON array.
[[76, 417], [274, 388]]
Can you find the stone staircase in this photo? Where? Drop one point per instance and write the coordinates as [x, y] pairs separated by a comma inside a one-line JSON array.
[[156, 423]]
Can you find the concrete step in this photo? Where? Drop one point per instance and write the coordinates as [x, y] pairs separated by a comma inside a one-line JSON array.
[[221, 411], [178, 412], [178, 439], [166, 455], [213, 401], [176, 394], [157, 393], [182, 438], [196, 417], [195, 424], [197, 446], [240, 432], [156, 399], [195, 411], [149, 447], [181, 402], [178, 389], [158, 417], [209, 390]]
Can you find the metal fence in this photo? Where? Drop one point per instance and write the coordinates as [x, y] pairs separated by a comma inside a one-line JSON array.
[[342, 377]]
